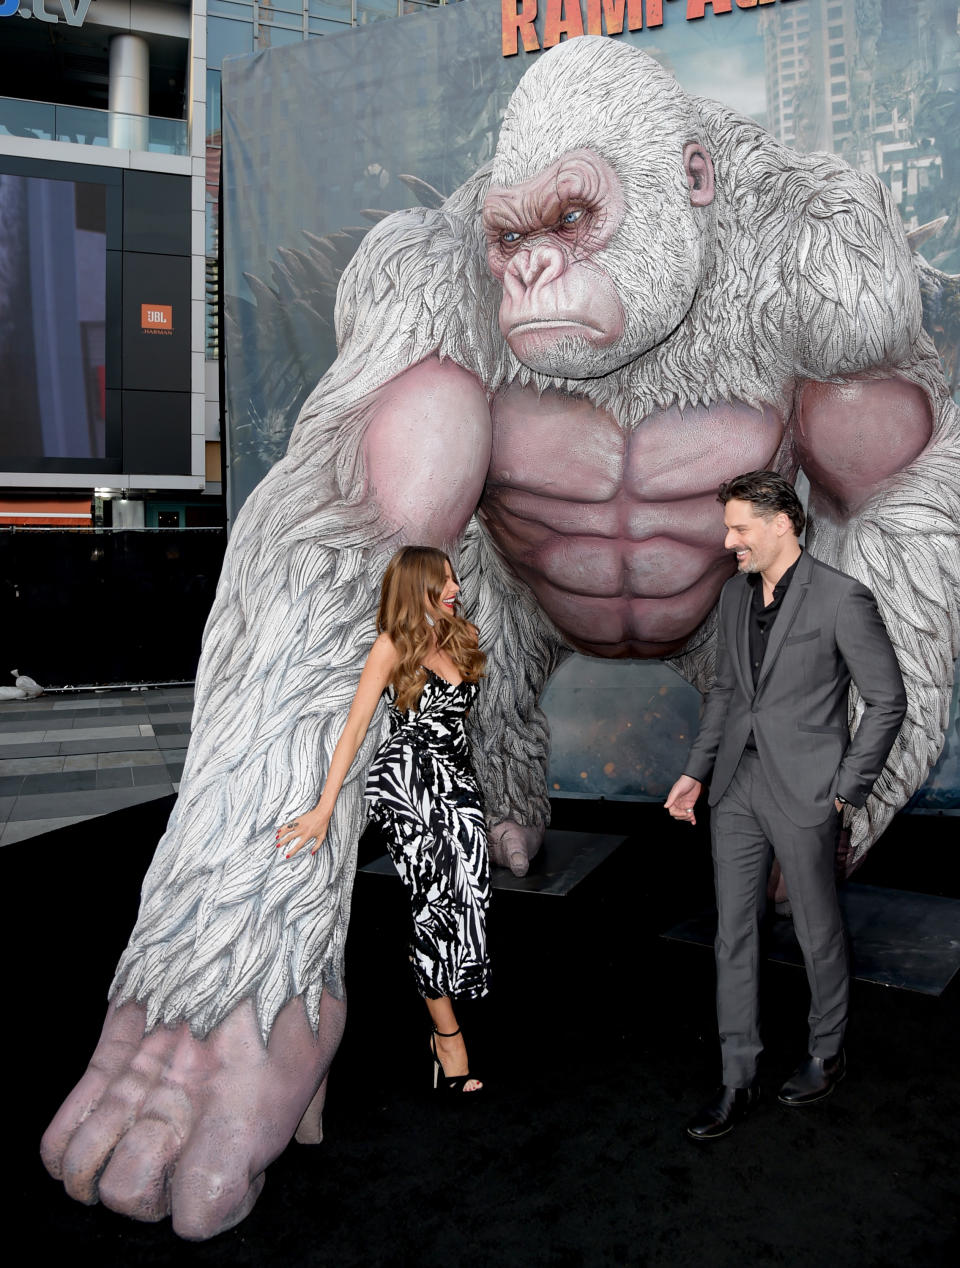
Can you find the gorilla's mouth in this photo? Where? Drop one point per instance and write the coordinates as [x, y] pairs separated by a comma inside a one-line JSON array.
[[543, 325]]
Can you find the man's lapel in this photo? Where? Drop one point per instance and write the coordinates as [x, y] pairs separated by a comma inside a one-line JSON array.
[[743, 637], [796, 593]]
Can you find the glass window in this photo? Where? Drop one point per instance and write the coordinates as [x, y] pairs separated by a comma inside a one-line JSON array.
[[212, 332], [212, 237], [242, 9], [225, 37], [213, 102], [280, 6], [375, 10], [274, 36], [33, 119], [320, 26], [837, 50], [92, 127], [335, 10], [290, 21], [835, 32]]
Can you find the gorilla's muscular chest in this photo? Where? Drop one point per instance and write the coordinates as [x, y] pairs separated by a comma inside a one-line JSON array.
[[619, 534]]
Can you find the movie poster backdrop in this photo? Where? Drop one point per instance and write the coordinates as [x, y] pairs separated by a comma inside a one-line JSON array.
[[323, 138]]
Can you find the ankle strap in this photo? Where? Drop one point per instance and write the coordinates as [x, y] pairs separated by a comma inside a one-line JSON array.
[[448, 1035]]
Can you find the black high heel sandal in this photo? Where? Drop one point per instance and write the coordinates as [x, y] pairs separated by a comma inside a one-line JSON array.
[[449, 1082]]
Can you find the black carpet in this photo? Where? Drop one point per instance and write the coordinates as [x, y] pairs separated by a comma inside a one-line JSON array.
[[597, 1042]]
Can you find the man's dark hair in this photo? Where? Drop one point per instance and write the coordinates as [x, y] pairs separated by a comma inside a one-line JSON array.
[[768, 494]]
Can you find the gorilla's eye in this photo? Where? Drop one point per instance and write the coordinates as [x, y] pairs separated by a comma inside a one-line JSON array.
[[571, 217], [510, 237]]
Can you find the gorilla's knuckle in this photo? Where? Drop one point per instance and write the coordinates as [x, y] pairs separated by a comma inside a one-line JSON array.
[[128, 1089], [133, 1194], [80, 1180], [206, 1201]]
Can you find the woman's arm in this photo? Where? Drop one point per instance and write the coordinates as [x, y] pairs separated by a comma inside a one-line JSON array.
[[377, 672]]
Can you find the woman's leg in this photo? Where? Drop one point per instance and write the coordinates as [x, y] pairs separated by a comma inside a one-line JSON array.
[[451, 1051]]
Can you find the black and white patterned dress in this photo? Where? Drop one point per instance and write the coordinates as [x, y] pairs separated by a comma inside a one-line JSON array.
[[424, 794]]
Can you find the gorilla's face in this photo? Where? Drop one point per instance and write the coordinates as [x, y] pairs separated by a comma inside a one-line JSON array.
[[597, 270]]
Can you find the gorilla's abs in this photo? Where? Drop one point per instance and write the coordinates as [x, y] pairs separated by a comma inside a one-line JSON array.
[[619, 534]]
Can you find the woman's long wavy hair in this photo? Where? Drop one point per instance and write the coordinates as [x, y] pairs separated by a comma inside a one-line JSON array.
[[413, 574]]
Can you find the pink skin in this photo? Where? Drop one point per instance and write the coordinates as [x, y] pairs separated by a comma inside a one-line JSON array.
[[617, 533], [852, 436], [165, 1124], [435, 420], [561, 311], [541, 237]]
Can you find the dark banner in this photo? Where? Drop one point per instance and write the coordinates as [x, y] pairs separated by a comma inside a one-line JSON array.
[[100, 607]]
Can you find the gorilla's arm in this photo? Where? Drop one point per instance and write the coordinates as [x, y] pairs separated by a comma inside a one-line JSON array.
[[230, 991], [882, 452], [222, 918]]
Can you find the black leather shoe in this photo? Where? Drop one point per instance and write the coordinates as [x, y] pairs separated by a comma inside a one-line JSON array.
[[722, 1112], [813, 1079]]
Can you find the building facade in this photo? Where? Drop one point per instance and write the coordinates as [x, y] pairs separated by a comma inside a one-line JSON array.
[[869, 88], [109, 179], [102, 251]]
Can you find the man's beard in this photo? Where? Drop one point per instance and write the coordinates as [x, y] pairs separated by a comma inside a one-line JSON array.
[[750, 564]]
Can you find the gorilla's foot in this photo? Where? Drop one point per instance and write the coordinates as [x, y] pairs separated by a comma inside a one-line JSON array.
[[513, 846], [166, 1124]]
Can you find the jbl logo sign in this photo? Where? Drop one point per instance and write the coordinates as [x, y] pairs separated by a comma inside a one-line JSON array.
[[156, 316]]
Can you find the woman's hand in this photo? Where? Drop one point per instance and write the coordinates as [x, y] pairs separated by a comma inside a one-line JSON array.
[[311, 826]]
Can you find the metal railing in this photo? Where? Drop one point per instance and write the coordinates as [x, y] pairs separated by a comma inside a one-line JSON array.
[[46, 121]]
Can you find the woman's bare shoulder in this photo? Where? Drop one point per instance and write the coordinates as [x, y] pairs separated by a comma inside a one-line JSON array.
[[384, 649]]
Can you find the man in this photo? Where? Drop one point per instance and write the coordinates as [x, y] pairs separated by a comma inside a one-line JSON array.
[[775, 745]]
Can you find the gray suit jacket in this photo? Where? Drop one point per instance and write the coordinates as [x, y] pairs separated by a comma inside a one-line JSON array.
[[828, 630]]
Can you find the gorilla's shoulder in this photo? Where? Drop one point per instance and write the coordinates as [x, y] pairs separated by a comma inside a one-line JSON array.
[[848, 270], [831, 578]]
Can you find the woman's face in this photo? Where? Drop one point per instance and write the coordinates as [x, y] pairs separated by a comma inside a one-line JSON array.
[[448, 595]]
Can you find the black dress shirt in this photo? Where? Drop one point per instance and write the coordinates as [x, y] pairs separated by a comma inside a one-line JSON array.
[[762, 619]]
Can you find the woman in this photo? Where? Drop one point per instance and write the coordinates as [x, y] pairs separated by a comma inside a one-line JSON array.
[[422, 788]]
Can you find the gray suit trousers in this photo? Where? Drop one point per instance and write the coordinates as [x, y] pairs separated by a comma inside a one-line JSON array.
[[746, 826]]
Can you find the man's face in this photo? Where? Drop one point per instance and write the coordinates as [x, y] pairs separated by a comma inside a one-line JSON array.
[[755, 539]]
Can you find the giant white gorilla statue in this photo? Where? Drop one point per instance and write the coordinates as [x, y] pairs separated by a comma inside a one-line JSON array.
[[644, 294]]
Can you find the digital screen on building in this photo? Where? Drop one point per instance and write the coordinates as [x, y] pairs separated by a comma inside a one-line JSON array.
[[53, 319]]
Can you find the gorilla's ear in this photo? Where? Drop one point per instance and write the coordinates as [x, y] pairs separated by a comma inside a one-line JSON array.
[[699, 169]]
